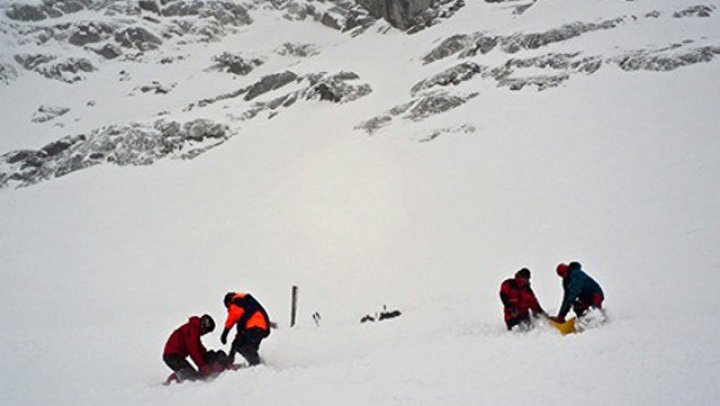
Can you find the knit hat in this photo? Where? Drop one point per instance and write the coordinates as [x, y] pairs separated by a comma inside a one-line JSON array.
[[523, 273]]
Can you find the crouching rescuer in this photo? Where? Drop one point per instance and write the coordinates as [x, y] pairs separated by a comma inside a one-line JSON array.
[[518, 300], [581, 292], [184, 342], [252, 323]]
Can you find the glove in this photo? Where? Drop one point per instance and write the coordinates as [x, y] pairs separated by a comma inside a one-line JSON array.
[[223, 337]]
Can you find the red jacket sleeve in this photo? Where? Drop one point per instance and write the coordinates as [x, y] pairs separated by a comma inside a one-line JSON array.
[[534, 304], [506, 295], [195, 348]]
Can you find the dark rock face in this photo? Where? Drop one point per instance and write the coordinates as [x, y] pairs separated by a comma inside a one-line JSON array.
[[236, 64], [24, 12], [399, 13], [450, 46], [342, 87], [134, 144], [556, 67], [343, 15], [124, 21], [420, 108], [467, 45], [541, 82], [224, 12], [48, 9], [536, 40], [149, 5], [666, 61], [435, 103], [337, 88], [69, 70], [137, 37], [47, 113], [269, 83], [89, 32], [297, 50], [156, 87], [7, 73], [412, 15], [695, 11], [108, 51], [452, 76]]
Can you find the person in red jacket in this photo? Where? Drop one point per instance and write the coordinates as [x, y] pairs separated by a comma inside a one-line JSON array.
[[253, 325], [519, 299], [184, 342]]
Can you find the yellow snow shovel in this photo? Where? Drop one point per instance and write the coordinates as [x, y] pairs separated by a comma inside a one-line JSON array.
[[565, 328]]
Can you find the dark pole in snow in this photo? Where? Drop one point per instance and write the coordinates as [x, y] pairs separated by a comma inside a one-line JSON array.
[[293, 312]]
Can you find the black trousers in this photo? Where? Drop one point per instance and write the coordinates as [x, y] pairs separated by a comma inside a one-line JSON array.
[[247, 344], [216, 360], [519, 320], [181, 366]]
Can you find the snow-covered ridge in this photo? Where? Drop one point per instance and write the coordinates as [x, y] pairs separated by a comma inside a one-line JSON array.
[[72, 41]]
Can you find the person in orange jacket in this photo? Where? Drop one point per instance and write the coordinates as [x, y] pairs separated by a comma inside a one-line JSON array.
[[252, 323]]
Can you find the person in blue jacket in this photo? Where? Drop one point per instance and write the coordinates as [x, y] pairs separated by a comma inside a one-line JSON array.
[[580, 291]]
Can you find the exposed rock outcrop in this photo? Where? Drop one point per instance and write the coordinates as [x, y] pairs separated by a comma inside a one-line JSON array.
[[341, 87], [269, 83], [107, 51], [47, 113], [134, 144], [468, 45], [451, 76], [156, 87], [695, 11], [8, 73], [412, 15], [420, 108], [666, 60], [236, 64], [137, 37], [297, 50], [399, 13], [85, 32], [68, 70]]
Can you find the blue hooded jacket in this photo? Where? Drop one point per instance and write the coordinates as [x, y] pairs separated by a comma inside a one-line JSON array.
[[578, 285]]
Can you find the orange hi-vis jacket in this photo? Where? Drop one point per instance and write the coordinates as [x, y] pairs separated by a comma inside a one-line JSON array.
[[247, 313]]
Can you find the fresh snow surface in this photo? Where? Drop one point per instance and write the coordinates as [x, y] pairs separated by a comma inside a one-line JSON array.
[[618, 170]]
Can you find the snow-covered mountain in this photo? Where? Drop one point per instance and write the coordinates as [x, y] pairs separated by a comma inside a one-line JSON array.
[[156, 154]]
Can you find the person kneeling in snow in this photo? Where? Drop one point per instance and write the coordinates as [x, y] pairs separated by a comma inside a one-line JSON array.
[[184, 342], [518, 300], [581, 291], [253, 325]]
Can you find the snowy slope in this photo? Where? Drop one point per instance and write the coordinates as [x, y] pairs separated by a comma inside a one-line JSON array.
[[612, 161]]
